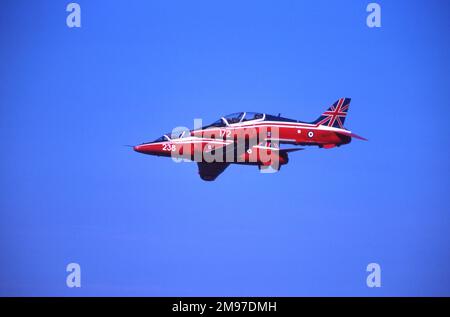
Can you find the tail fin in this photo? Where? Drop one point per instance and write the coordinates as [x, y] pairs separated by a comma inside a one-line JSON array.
[[335, 115]]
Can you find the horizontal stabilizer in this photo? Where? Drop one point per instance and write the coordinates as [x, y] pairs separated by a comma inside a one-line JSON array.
[[353, 135]]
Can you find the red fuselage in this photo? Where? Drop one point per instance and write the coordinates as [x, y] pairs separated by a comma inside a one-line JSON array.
[[251, 138], [203, 141]]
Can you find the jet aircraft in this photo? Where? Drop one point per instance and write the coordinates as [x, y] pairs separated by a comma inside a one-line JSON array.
[[251, 138]]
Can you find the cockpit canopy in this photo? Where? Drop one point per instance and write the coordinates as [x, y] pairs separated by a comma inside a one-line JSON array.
[[243, 116], [161, 139], [252, 116], [175, 134], [223, 122], [236, 118]]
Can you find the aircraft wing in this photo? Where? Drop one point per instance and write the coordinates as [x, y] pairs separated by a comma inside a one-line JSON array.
[[210, 171]]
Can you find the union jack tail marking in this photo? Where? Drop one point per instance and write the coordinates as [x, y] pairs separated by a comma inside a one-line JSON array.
[[335, 115]]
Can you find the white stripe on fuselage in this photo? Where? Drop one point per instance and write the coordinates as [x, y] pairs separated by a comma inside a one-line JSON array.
[[292, 125], [193, 139]]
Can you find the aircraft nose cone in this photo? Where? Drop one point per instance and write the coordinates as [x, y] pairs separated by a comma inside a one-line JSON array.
[[137, 148]]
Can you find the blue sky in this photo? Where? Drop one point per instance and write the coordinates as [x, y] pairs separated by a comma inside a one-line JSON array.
[[140, 225]]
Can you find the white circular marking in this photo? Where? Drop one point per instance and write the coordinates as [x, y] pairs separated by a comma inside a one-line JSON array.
[[299, 131], [249, 151], [209, 147], [310, 134]]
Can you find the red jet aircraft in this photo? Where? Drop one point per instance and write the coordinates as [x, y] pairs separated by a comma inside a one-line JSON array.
[[252, 139]]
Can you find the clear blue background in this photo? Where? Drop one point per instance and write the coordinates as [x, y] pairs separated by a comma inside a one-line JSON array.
[[140, 225]]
